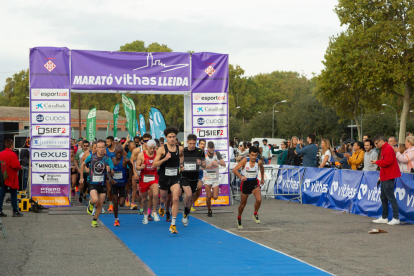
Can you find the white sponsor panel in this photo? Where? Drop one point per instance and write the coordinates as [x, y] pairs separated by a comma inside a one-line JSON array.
[[49, 94], [50, 178], [50, 106], [50, 142], [216, 109], [218, 144], [204, 121], [48, 166], [48, 130], [218, 132], [50, 118], [50, 154], [224, 155], [200, 98]]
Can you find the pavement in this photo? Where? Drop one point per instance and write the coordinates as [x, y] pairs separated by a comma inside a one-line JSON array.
[[339, 243]]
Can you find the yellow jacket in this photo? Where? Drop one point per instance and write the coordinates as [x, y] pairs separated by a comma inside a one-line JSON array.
[[356, 159]]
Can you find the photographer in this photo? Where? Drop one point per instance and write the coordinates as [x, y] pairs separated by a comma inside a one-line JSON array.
[[308, 152], [356, 161], [406, 159]]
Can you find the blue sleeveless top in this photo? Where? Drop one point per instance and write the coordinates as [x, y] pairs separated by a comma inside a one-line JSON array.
[[120, 173]]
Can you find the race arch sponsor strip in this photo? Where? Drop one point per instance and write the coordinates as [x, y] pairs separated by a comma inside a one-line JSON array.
[[48, 190], [51, 118], [216, 132], [209, 110], [51, 130], [50, 142], [51, 178], [50, 94], [50, 166], [50, 106], [50, 154], [210, 121], [210, 98], [52, 201]]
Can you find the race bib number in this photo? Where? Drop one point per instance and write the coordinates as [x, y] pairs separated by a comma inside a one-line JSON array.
[[190, 166], [98, 178], [251, 174], [171, 171], [149, 178], [211, 174], [118, 175]]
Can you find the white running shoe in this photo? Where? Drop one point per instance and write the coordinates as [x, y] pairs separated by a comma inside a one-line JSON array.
[[145, 220], [103, 210], [380, 220], [155, 216], [394, 222], [94, 210], [185, 220]]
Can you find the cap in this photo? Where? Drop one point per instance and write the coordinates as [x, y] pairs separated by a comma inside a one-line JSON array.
[[264, 140], [116, 139], [151, 143], [123, 141]]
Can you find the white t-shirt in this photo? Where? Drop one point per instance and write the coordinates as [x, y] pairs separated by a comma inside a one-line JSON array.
[[231, 150], [327, 153]]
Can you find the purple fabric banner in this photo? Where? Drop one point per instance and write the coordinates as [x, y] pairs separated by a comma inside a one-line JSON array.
[[210, 72], [49, 67], [99, 70]]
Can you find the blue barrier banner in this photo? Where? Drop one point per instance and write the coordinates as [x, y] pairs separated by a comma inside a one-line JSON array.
[[404, 192], [344, 189], [316, 183], [368, 200], [288, 182]]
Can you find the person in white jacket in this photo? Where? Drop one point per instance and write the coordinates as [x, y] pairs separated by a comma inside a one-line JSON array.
[[406, 159], [370, 154]]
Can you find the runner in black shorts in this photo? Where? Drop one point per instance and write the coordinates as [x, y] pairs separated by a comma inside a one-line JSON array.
[[168, 159], [250, 184], [193, 159]]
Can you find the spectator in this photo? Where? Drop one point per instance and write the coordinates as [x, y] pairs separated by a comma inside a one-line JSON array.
[[242, 151], [292, 159], [282, 154], [326, 154], [308, 152], [11, 183], [370, 154], [365, 137], [265, 152], [256, 144], [231, 152], [392, 141], [356, 161], [288, 144], [345, 148], [388, 172], [24, 161], [406, 159]]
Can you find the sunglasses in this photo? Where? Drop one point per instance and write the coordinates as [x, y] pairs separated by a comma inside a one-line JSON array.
[[146, 140]]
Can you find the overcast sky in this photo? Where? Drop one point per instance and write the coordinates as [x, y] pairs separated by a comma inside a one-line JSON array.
[[261, 36]]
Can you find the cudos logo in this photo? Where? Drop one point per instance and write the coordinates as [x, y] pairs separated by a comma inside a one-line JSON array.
[[40, 118], [200, 121]]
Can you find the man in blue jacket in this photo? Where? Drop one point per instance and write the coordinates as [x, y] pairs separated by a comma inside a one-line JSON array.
[[309, 152]]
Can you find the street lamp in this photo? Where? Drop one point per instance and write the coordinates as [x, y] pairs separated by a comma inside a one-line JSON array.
[[396, 120], [273, 121]]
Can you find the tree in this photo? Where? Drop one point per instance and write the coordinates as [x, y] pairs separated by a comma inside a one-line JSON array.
[[385, 32], [16, 90]]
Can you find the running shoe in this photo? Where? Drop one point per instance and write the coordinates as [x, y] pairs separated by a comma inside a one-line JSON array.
[[145, 220], [134, 207], [127, 203], [94, 210], [185, 220], [141, 211], [192, 209], [116, 222], [173, 229], [90, 208], [150, 218], [168, 217], [210, 213], [239, 224], [77, 189], [95, 223], [161, 211], [256, 219], [80, 198], [111, 208], [155, 216], [3, 214], [103, 210]]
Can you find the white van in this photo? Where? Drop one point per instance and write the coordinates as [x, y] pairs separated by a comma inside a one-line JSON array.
[[270, 141]]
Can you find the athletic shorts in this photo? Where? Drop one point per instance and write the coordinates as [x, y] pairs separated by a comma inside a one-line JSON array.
[[115, 189], [192, 183], [100, 189], [144, 186], [248, 186], [166, 182], [73, 171]]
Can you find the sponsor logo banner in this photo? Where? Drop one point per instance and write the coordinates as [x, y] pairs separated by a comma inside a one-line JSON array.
[[210, 72], [50, 142], [49, 94], [52, 106], [222, 200], [48, 130], [52, 201], [218, 144], [50, 178], [209, 121], [200, 98], [47, 166], [46, 190], [219, 109], [50, 154], [50, 118], [219, 132]]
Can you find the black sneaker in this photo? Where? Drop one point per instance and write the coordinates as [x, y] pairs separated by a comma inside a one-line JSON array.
[[239, 224], [3, 214], [17, 214], [168, 217], [80, 197], [210, 213]]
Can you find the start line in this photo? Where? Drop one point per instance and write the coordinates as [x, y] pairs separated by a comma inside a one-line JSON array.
[[201, 249]]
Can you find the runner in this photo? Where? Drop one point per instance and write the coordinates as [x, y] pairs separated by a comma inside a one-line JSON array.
[[101, 166], [149, 180], [193, 159], [78, 160], [120, 179], [73, 170], [211, 175], [110, 152], [202, 146], [250, 167], [168, 159]]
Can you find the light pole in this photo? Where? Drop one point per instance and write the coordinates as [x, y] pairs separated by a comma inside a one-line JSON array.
[[273, 121], [396, 121]]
